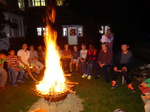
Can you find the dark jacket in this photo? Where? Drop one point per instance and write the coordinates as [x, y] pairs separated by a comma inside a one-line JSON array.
[[129, 63]]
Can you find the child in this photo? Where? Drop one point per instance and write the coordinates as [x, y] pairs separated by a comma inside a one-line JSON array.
[[14, 68], [75, 58]]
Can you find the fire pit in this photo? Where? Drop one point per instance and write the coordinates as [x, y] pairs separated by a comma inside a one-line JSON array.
[[58, 96], [54, 86]]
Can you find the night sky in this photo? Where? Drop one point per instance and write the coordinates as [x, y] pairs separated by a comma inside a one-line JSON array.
[[129, 19]]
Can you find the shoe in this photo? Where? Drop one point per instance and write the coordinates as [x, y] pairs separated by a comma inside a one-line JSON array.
[[14, 84], [20, 80], [84, 75], [89, 77], [131, 88], [114, 85]]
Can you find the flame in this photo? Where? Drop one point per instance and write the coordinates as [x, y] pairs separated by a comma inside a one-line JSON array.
[[53, 81]]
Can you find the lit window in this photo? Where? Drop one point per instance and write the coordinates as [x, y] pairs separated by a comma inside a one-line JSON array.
[[59, 2], [80, 31], [21, 4], [34, 3], [64, 32], [41, 31]]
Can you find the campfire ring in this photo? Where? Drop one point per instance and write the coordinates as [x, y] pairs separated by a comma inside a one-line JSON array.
[[54, 98]]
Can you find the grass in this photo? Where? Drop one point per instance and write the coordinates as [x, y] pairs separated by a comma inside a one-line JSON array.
[[96, 94]]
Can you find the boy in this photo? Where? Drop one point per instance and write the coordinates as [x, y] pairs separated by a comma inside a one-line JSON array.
[[14, 68], [75, 58]]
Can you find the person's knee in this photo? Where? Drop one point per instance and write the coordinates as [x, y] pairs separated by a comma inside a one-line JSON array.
[[147, 107]]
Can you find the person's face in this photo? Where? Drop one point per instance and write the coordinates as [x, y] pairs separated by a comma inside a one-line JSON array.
[[40, 47], [104, 47], [66, 46], [108, 32], [24, 46], [12, 52], [2, 56], [90, 46], [124, 47], [75, 48], [83, 47], [31, 48]]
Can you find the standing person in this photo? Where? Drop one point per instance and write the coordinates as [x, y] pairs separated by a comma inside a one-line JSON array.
[[14, 68], [41, 54], [75, 58], [123, 64], [24, 61], [66, 57], [91, 60], [145, 89], [110, 37], [83, 56], [34, 60], [3, 73], [105, 61], [104, 39]]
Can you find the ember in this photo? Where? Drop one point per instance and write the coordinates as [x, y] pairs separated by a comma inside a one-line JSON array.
[[54, 86]]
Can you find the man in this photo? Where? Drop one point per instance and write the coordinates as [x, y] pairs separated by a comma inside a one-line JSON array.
[[34, 60], [105, 61], [3, 73], [145, 88], [123, 64], [24, 61], [66, 58], [14, 68], [91, 60]]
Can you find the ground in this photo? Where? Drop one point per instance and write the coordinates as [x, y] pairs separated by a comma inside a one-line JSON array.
[[95, 94]]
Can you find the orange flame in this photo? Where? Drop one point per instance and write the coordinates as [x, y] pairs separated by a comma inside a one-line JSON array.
[[53, 80]]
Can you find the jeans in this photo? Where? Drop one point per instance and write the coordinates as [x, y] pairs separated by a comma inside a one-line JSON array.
[[3, 75], [15, 73], [83, 67], [125, 74], [65, 64], [105, 70], [93, 66]]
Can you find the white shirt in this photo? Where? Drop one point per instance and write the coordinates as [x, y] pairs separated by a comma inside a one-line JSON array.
[[104, 39], [24, 56], [83, 53]]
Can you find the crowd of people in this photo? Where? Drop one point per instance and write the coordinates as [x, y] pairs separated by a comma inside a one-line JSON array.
[[18, 64], [88, 61]]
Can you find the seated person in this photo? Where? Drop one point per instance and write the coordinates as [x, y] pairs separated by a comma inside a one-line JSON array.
[[24, 61], [145, 88], [123, 64], [3, 73], [92, 56], [34, 60], [66, 58], [41, 54], [75, 58], [14, 67], [105, 62]]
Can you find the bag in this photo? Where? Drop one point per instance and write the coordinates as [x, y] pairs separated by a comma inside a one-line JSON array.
[[144, 89]]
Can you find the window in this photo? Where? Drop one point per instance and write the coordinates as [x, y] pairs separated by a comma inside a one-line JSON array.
[[59, 2], [21, 4], [35, 3], [41, 31], [64, 32]]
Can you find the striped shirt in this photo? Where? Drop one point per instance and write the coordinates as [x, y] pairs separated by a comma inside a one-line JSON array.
[[12, 60]]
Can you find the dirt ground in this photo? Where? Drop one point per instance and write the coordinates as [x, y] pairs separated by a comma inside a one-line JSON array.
[[71, 104]]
